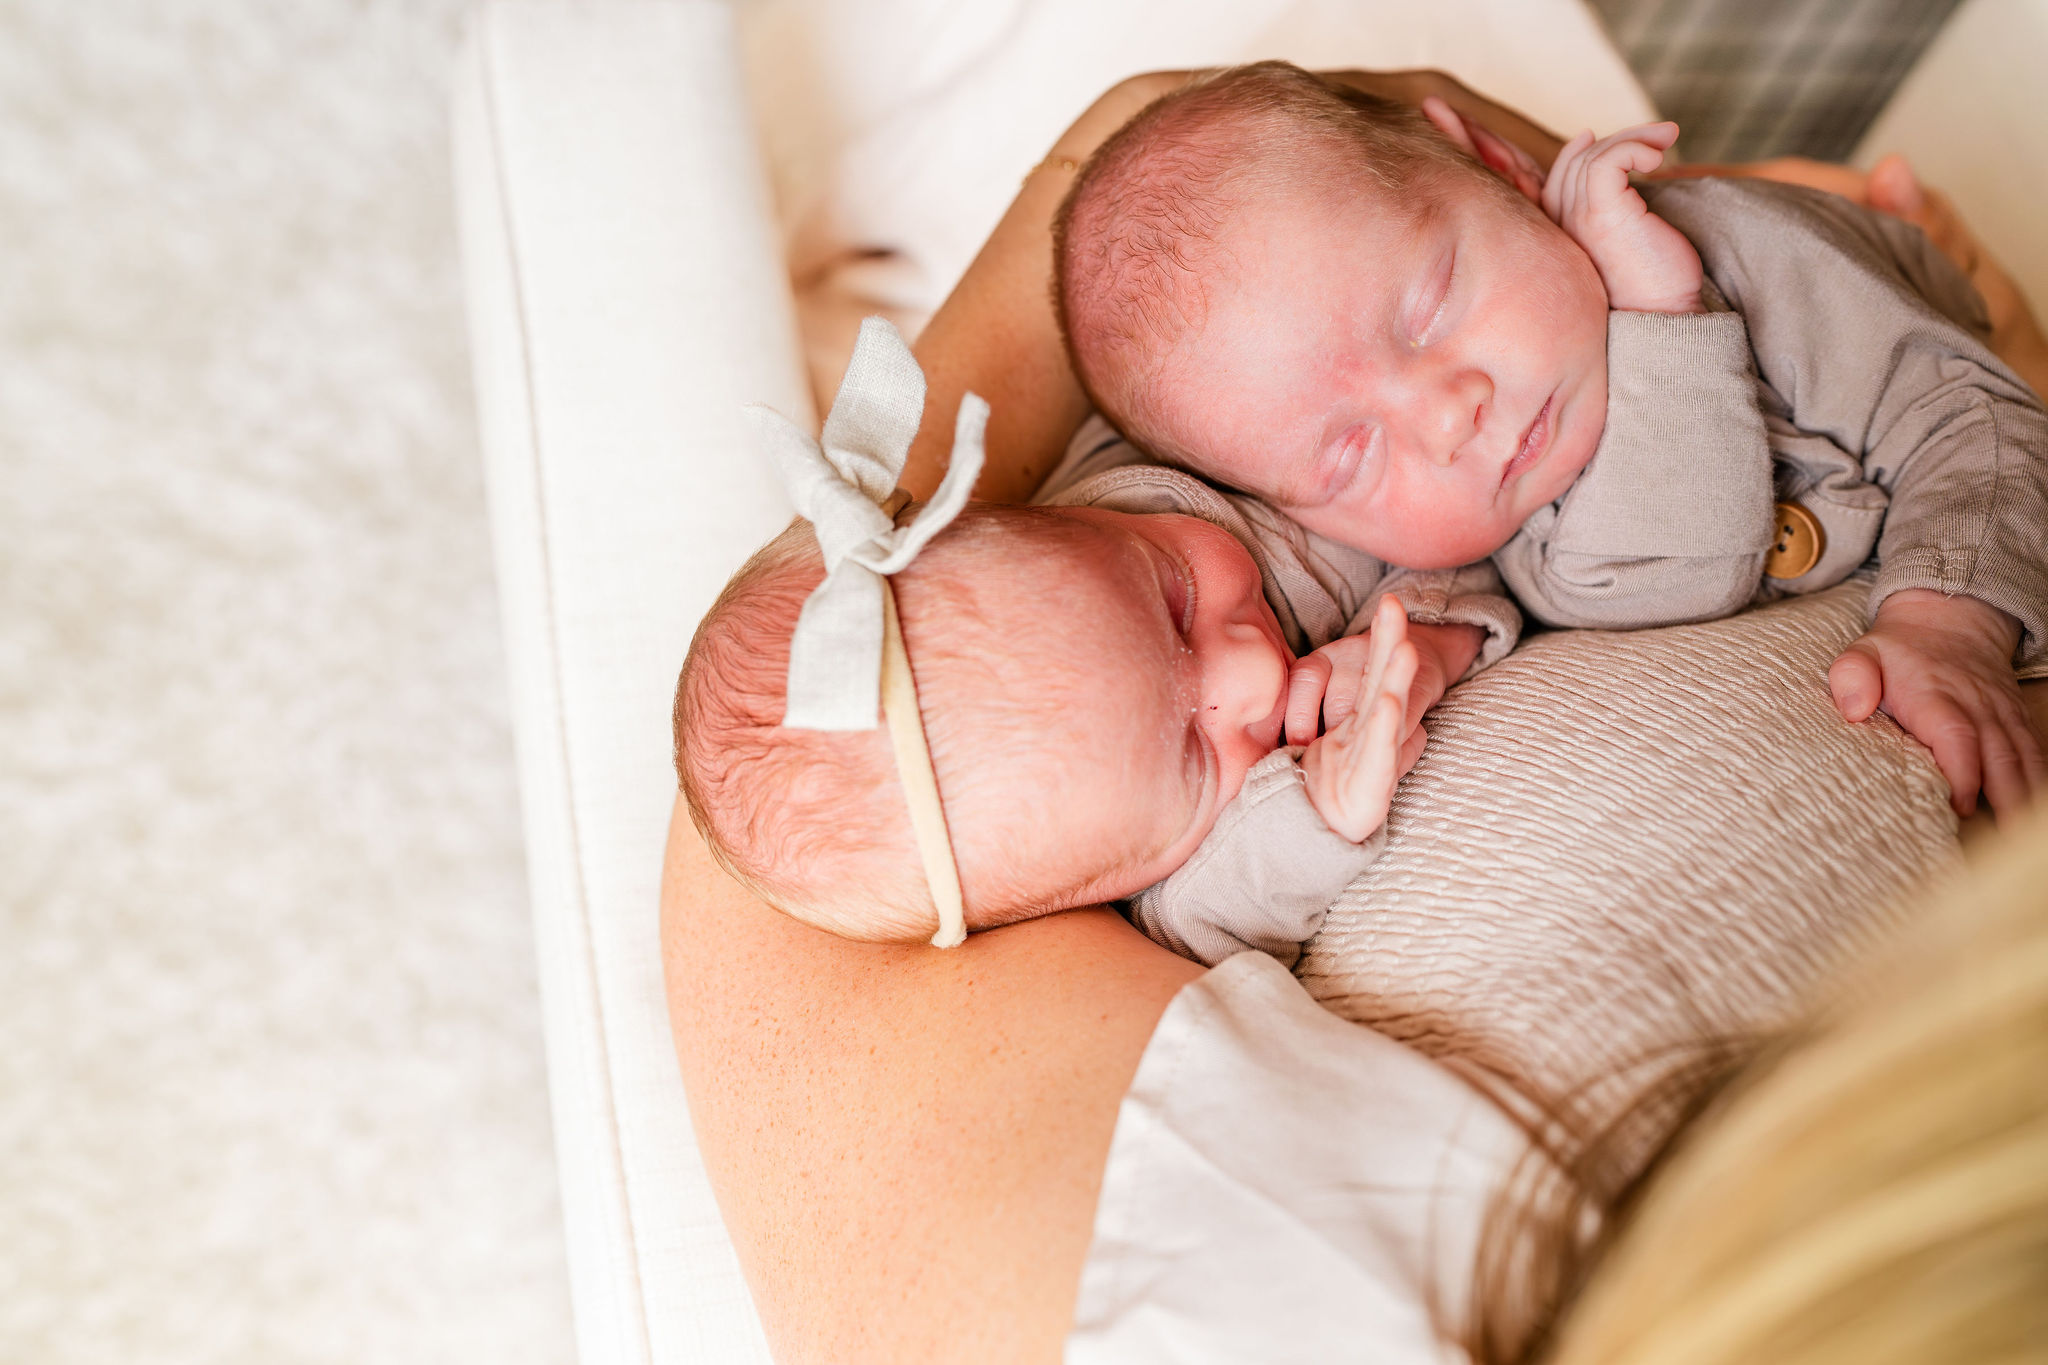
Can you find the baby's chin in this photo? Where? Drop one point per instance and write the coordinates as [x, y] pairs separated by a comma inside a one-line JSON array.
[[1468, 546]]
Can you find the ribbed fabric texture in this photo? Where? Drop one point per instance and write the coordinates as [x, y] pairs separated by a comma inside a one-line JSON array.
[[1621, 844]]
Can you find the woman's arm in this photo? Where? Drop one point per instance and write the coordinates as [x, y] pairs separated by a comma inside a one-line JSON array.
[[906, 1144], [996, 334]]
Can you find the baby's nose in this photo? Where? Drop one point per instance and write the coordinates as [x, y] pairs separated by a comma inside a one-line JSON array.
[[1455, 413], [1245, 676]]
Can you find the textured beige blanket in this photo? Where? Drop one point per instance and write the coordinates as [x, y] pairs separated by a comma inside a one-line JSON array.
[[1620, 845]]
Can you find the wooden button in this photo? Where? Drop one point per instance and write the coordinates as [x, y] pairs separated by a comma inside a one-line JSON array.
[[1796, 544]]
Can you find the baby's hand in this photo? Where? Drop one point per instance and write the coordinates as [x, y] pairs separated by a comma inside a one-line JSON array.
[[1647, 265], [1942, 668], [1352, 769], [1324, 686]]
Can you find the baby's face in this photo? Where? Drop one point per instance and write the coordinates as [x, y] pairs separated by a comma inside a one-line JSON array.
[[1415, 389], [1162, 676]]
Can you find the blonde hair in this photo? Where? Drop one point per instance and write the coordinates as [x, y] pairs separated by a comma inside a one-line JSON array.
[[1876, 1191]]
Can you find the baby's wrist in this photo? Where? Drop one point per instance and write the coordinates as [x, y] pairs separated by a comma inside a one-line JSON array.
[[1677, 307], [1924, 609], [1452, 644], [1643, 297]]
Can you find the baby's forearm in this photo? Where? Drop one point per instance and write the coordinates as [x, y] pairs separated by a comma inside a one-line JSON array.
[[1451, 648]]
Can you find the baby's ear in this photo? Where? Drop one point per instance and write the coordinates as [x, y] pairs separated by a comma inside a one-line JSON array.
[[1513, 164], [1450, 123]]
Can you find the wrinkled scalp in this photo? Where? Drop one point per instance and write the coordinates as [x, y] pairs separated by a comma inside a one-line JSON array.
[[816, 823], [828, 805]]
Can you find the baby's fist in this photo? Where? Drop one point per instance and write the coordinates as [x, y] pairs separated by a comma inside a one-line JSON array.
[[1647, 265]]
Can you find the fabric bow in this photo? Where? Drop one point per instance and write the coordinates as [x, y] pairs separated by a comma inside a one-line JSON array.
[[839, 483]]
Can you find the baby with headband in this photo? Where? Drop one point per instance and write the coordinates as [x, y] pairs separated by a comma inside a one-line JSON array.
[[1093, 699]]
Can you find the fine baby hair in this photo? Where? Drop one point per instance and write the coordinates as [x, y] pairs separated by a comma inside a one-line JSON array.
[[1146, 214]]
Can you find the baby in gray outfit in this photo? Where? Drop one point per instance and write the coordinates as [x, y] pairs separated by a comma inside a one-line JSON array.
[[1339, 307], [1403, 335]]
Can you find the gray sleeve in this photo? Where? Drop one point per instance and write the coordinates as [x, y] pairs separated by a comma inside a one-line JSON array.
[[1671, 519], [1469, 596], [1262, 880], [1866, 336]]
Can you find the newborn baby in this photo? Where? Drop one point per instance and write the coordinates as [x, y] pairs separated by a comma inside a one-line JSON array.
[[1095, 688], [1399, 331], [1101, 687]]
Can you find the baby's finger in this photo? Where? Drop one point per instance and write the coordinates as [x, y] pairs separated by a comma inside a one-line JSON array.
[[1351, 771], [1856, 681], [1371, 789], [2033, 756], [1561, 168], [1385, 635], [2015, 772], [1659, 135], [1629, 156], [1307, 683], [1411, 749], [2005, 776], [1397, 680], [1345, 692], [1946, 729]]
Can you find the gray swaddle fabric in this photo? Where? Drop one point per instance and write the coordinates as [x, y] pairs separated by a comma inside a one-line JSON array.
[[1320, 590], [1670, 519], [1888, 417]]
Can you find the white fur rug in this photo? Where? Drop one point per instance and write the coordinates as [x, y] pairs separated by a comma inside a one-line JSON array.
[[271, 1085]]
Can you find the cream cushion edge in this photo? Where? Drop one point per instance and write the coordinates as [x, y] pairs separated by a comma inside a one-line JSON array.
[[1968, 116], [626, 295]]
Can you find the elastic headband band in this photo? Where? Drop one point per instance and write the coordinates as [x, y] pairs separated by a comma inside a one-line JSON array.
[[920, 780]]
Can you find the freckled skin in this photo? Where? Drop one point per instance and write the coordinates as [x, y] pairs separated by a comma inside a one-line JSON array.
[[1375, 372]]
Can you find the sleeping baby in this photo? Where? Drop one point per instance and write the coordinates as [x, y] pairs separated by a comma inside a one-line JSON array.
[[1102, 687], [1397, 330]]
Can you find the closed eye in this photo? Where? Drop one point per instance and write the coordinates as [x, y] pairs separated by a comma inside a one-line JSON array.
[[1176, 586], [1347, 458], [1435, 303]]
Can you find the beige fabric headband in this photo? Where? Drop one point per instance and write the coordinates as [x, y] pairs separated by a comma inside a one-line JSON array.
[[846, 659]]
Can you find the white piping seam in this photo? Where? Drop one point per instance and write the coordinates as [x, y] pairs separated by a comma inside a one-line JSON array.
[[488, 53]]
